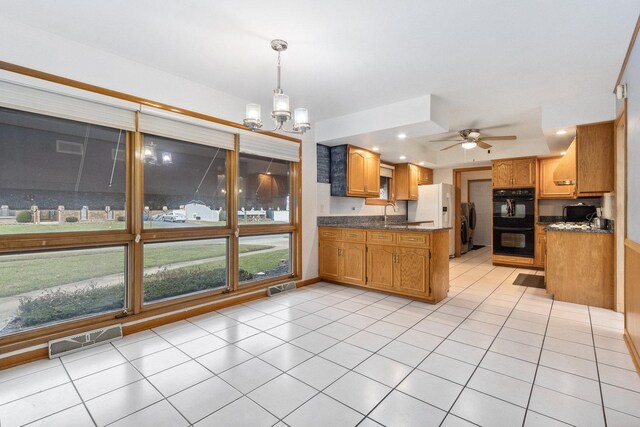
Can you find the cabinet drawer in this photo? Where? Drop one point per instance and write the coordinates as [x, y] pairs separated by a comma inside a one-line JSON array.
[[413, 239], [330, 234], [383, 237], [350, 235]]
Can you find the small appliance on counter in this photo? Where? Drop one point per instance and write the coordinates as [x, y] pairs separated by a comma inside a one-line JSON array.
[[578, 213]]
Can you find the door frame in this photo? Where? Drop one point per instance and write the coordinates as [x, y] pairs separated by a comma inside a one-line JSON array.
[[620, 127], [457, 185]]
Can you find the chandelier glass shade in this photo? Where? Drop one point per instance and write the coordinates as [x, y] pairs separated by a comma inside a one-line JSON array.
[[281, 112]]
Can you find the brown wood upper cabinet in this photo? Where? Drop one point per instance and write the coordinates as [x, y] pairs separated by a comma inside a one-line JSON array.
[[425, 176], [363, 172], [514, 173], [547, 189], [589, 160], [406, 176]]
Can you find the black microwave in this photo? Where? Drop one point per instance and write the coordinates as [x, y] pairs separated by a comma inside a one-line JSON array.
[[578, 213]]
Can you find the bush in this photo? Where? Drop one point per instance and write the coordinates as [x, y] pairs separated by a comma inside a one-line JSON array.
[[121, 218], [71, 219], [62, 304], [24, 217]]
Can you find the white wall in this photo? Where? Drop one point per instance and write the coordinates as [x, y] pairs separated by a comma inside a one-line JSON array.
[[631, 78], [471, 176], [351, 206], [46, 52], [480, 193], [555, 207]]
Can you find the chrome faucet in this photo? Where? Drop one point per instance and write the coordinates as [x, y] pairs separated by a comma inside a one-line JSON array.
[[387, 204]]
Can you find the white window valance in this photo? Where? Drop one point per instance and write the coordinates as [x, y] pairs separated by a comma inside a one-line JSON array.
[[44, 99], [267, 146], [185, 128]]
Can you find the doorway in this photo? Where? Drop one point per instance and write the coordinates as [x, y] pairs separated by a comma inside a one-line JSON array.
[[461, 179], [479, 193]]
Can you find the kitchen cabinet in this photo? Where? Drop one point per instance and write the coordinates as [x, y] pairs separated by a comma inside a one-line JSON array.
[[541, 246], [406, 177], [355, 172], [414, 264], [514, 173], [547, 188], [425, 176], [342, 256], [580, 267], [594, 159], [589, 160]]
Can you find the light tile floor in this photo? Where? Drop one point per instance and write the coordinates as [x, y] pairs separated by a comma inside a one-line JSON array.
[[491, 354]]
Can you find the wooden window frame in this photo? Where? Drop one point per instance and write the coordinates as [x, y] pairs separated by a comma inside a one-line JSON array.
[[169, 310]]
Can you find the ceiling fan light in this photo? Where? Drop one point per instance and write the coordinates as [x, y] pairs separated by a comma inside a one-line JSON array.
[[474, 134], [468, 145]]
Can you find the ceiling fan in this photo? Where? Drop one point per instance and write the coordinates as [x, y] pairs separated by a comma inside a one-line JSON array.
[[471, 139]]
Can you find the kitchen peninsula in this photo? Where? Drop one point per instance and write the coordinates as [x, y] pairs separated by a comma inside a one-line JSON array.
[[580, 265], [405, 259]]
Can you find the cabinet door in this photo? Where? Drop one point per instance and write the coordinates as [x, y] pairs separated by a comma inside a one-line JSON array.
[[501, 173], [524, 172], [595, 158], [352, 263], [329, 259], [372, 174], [380, 266], [356, 167], [412, 271], [426, 176], [413, 182], [548, 189]]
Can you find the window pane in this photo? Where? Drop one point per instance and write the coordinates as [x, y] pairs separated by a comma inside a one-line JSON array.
[[59, 175], [264, 190], [266, 256], [48, 287], [185, 184], [174, 269]]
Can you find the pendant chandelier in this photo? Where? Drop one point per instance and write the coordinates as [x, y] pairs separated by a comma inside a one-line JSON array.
[[281, 112]]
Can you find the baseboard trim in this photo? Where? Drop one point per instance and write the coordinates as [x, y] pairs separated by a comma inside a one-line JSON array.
[[22, 358], [633, 351], [307, 282]]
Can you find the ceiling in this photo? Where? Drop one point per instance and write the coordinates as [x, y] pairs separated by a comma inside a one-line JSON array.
[[490, 62]]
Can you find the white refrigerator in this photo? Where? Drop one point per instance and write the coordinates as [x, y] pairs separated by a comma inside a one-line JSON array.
[[434, 204]]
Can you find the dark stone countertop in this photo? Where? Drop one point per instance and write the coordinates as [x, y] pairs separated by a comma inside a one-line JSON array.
[[579, 230], [390, 226]]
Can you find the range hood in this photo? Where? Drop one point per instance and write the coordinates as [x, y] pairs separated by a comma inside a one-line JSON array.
[[565, 173]]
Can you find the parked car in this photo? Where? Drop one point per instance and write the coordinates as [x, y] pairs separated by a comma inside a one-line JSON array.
[[174, 217], [157, 217]]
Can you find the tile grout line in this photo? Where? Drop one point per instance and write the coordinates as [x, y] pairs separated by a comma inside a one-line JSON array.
[[84, 404], [533, 381], [432, 351], [595, 354]]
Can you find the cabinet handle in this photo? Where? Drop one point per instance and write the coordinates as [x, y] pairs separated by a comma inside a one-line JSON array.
[[366, 187], [411, 239]]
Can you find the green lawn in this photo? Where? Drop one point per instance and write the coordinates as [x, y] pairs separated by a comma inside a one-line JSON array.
[[59, 228], [30, 272]]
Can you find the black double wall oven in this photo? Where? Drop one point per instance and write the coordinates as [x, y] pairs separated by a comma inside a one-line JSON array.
[[514, 222]]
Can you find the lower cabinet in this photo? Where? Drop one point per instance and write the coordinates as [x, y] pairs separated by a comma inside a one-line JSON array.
[[541, 246], [342, 261], [402, 263]]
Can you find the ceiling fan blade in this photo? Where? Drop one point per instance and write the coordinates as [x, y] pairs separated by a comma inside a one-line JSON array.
[[444, 140], [483, 145], [451, 146], [483, 128], [498, 138]]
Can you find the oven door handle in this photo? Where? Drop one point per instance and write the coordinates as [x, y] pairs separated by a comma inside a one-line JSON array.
[[513, 228]]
